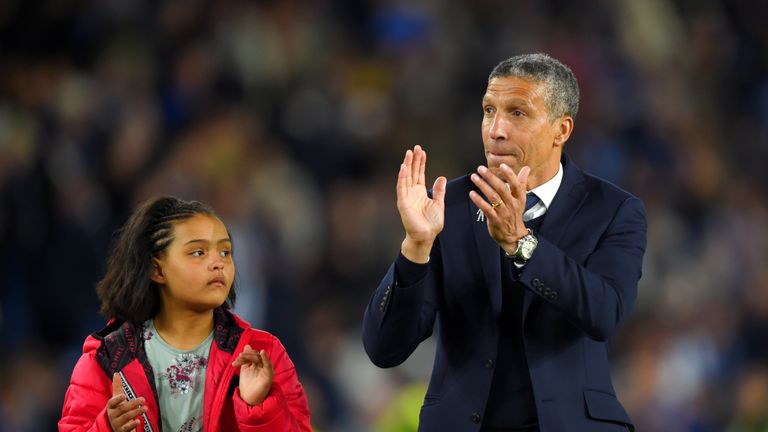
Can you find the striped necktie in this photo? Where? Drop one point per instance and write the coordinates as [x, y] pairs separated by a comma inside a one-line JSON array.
[[528, 216], [530, 200]]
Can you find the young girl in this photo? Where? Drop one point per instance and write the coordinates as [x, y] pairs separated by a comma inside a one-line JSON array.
[[173, 357]]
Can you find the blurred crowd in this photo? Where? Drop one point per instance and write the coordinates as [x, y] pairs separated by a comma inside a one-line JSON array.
[[290, 118]]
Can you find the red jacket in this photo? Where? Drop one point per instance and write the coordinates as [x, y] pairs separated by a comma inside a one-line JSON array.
[[119, 348]]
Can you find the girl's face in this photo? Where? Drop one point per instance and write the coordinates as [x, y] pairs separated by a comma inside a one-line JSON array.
[[196, 270]]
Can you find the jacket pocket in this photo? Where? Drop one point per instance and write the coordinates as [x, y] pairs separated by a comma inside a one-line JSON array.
[[604, 406]]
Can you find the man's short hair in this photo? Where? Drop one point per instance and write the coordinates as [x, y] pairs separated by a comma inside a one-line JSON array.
[[562, 96]]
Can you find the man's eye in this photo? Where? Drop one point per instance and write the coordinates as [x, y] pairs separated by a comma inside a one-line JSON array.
[[488, 110], [518, 113]]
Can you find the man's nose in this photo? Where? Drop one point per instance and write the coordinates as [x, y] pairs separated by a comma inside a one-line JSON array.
[[497, 129]]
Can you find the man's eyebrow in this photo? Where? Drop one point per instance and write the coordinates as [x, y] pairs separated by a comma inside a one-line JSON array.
[[507, 102]]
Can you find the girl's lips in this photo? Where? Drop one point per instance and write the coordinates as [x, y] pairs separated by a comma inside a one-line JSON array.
[[217, 280]]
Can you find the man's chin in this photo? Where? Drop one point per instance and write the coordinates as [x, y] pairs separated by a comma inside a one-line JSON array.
[[496, 170], [494, 162]]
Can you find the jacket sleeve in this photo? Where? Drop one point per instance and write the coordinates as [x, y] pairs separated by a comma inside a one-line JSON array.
[[398, 318], [285, 408], [85, 403], [598, 295]]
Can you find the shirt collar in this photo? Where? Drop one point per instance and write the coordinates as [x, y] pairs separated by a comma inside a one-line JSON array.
[[546, 192]]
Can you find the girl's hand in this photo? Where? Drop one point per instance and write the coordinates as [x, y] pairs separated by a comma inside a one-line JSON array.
[[256, 375], [123, 414]]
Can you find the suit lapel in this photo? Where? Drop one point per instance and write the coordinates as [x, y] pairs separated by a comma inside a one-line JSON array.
[[569, 198], [488, 252]]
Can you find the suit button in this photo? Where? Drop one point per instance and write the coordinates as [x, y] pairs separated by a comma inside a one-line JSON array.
[[489, 364], [475, 417]]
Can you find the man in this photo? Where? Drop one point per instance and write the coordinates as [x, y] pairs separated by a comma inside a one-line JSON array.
[[524, 290]]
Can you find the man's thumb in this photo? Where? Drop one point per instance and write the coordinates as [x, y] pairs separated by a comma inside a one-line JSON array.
[[117, 384], [522, 177], [438, 190]]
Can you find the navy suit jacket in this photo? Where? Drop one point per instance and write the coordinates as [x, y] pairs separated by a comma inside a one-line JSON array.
[[579, 286]]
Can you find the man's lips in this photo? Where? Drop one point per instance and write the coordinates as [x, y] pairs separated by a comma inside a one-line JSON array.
[[499, 154], [495, 158]]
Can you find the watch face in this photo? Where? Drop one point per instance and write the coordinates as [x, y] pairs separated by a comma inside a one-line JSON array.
[[527, 249], [526, 246]]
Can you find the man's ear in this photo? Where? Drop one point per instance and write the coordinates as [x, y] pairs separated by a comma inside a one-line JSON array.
[[564, 127], [157, 272]]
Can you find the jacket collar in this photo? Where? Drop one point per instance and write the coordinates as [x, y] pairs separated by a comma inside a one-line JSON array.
[[567, 200], [121, 341]]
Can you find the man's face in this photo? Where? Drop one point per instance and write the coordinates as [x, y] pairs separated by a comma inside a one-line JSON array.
[[517, 129]]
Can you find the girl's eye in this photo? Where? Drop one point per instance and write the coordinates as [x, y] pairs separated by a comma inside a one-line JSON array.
[[225, 253], [198, 253]]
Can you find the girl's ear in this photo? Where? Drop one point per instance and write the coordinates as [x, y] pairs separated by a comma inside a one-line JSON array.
[[157, 272]]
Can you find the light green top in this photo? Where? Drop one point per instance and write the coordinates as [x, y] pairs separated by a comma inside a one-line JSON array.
[[179, 379]]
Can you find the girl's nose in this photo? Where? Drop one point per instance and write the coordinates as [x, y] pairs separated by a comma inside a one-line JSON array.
[[218, 264]]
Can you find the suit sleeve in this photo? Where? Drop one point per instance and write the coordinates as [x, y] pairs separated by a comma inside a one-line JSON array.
[[398, 317], [285, 408], [598, 295], [85, 403]]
